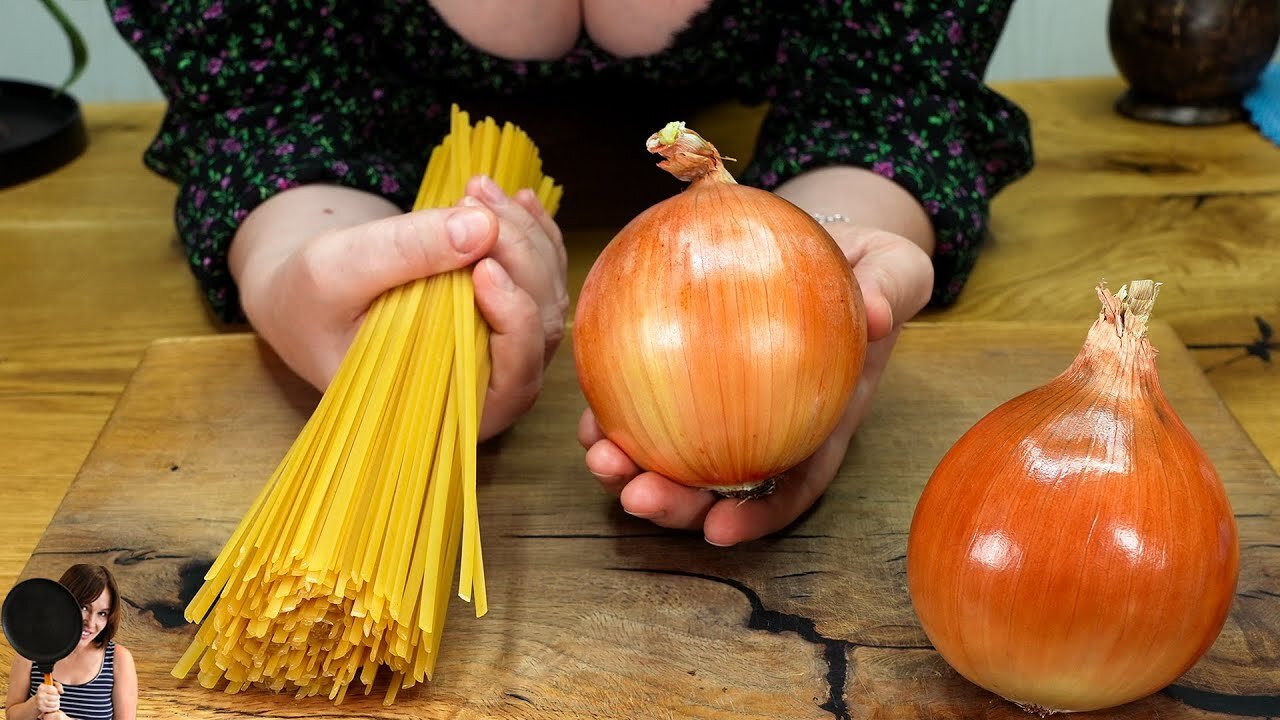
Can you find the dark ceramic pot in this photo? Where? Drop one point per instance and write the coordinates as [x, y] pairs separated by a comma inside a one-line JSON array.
[[1189, 62]]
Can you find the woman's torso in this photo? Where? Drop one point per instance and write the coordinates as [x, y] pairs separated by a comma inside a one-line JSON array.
[[87, 700]]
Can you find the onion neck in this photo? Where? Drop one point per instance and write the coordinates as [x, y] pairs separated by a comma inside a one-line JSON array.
[[687, 155], [1117, 357]]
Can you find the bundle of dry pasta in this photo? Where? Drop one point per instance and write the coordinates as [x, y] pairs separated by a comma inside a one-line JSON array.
[[344, 562]]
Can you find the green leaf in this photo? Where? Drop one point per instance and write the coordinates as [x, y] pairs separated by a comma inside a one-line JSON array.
[[79, 51]]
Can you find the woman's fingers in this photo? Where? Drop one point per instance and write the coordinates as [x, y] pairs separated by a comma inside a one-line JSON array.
[[531, 251], [665, 502], [529, 200], [516, 346]]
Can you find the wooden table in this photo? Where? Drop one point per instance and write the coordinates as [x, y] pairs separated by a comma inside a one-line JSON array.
[[92, 273]]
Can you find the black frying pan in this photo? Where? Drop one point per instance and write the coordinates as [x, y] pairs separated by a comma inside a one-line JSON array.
[[43, 622]]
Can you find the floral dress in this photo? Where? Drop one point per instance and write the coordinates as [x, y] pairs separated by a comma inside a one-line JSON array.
[[265, 95]]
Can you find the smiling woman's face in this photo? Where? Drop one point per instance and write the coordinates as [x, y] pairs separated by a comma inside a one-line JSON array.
[[94, 617]]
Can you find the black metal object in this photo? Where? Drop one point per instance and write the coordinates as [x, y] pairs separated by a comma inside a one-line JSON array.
[[42, 621]]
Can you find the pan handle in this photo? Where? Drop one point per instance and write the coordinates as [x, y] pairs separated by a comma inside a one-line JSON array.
[[48, 678]]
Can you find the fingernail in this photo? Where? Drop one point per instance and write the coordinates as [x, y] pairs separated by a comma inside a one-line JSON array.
[[499, 275], [647, 516], [712, 542], [490, 189], [467, 229], [606, 478]]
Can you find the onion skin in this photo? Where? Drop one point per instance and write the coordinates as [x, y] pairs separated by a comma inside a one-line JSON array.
[[719, 336], [1075, 549]]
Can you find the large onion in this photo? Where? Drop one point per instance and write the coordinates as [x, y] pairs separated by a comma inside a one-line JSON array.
[[1075, 549], [719, 336]]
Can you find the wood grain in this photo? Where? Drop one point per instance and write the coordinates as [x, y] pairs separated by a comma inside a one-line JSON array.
[[92, 272], [597, 614]]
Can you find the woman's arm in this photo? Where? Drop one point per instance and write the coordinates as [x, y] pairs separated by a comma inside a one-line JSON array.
[[17, 705], [890, 275], [309, 261], [124, 695]]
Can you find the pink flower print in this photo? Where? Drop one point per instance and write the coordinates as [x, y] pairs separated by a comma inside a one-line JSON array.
[[915, 139], [955, 33], [231, 145], [239, 215], [225, 182], [389, 184], [285, 149], [201, 194], [340, 168], [980, 184], [214, 66], [378, 93], [136, 36], [259, 65], [266, 43], [282, 183], [932, 207], [955, 147], [121, 14], [234, 114], [213, 11], [884, 168]]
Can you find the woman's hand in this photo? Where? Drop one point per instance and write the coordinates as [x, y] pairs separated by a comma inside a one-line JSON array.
[[48, 699], [310, 261], [896, 278]]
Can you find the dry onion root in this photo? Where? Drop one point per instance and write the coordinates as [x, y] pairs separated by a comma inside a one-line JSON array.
[[719, 336], [1075, 549]]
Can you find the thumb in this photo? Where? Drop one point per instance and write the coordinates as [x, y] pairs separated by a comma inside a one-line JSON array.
[[355, 265]]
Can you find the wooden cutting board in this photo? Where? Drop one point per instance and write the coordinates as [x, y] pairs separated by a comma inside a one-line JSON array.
[[598, 614]]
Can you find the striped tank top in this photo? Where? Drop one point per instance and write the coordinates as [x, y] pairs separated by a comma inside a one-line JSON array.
[[92, 700]]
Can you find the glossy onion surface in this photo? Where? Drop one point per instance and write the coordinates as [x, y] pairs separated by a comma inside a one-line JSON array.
[[1076, 549], [719, 336]]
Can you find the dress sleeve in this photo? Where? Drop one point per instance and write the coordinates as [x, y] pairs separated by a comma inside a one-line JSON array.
[[262, 96], [897, 87]]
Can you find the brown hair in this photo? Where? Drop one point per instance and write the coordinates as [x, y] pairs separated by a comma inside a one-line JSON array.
[[87, 582]]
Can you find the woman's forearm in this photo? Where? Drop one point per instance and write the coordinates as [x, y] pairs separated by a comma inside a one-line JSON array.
[[22, 711], [864, 198], [278, 226]]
